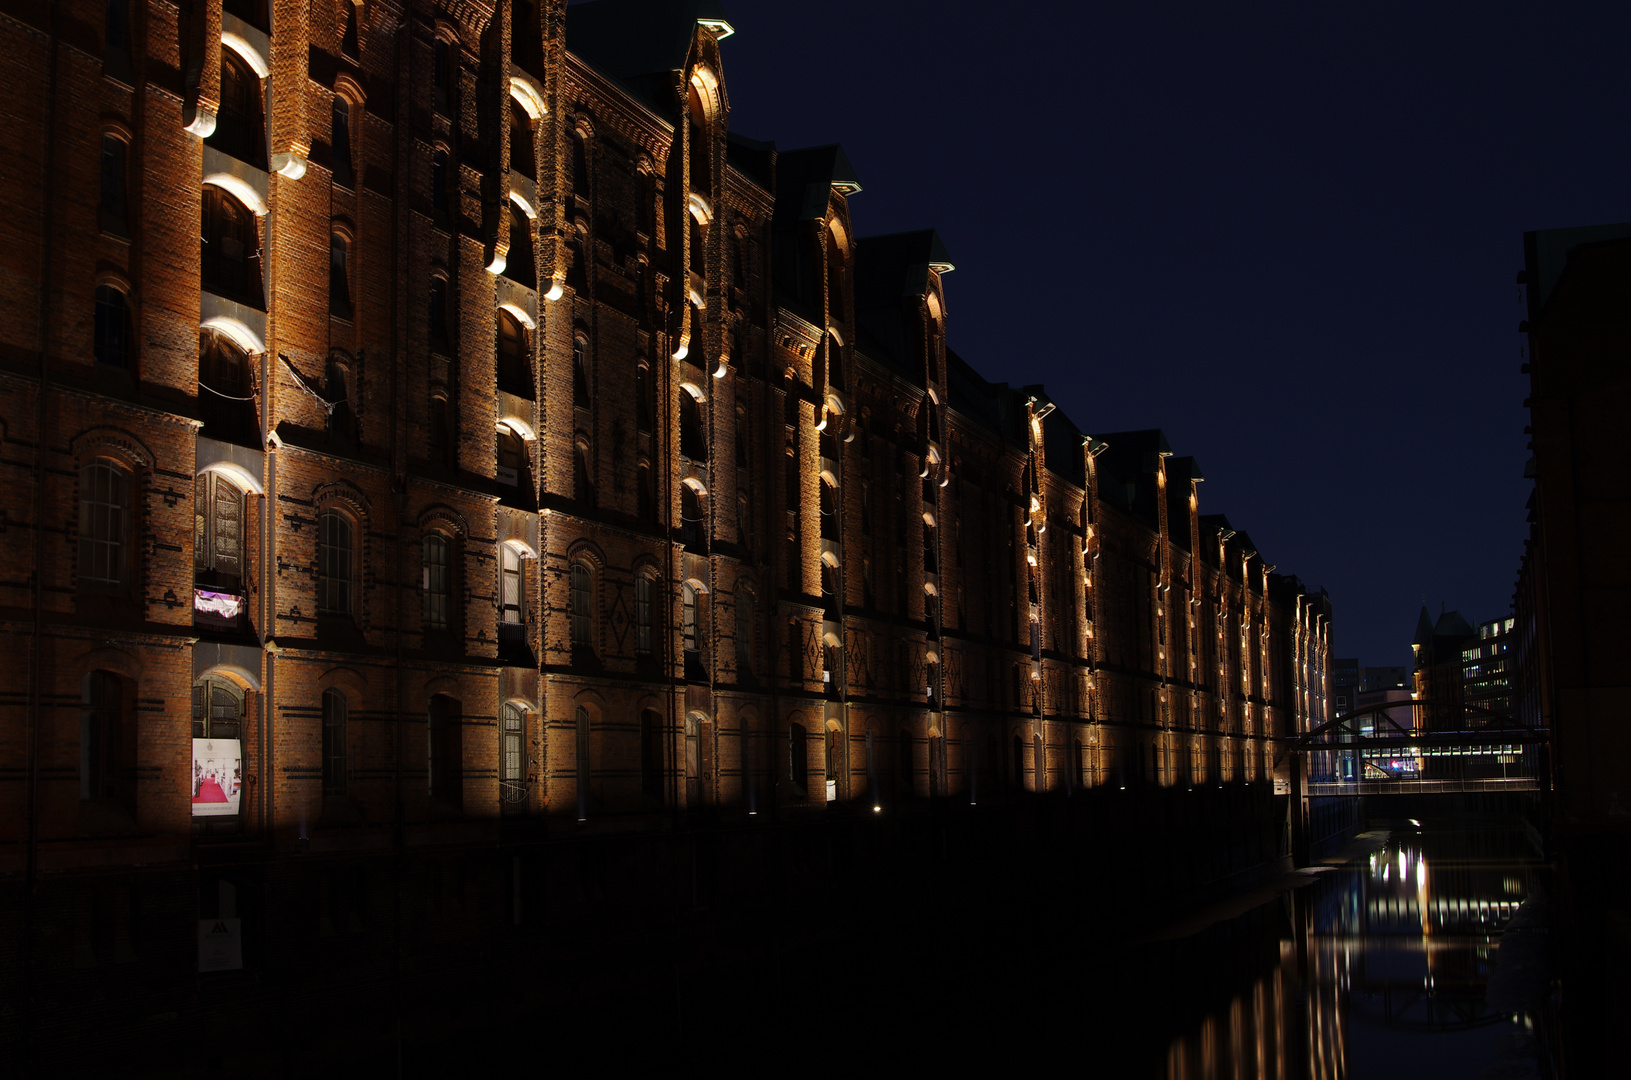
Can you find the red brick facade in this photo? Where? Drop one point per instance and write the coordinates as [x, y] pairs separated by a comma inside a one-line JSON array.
[[726, 525]]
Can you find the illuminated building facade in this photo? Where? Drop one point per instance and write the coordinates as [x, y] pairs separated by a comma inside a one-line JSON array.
[[434, 420]]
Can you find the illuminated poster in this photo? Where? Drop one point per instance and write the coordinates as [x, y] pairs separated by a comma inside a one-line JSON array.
[[220, 943], [218, 777]]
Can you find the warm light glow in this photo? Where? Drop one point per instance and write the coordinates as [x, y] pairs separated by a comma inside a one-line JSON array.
[[292, 166]]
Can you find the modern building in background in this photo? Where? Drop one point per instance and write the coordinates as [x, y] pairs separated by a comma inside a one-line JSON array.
[[1485, 674], [427, 428]]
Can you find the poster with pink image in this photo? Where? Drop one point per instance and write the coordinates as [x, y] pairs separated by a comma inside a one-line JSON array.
[[217, 777]]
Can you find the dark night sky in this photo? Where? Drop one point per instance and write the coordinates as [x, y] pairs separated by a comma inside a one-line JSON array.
[[1287, 234]]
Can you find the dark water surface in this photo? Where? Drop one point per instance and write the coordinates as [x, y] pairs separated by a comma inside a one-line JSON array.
[[1412, 955]]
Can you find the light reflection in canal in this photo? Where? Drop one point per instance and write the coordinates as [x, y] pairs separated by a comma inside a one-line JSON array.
[[1382, 970]]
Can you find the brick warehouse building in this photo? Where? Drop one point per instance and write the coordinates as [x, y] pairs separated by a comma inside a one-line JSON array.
[[425, 427]]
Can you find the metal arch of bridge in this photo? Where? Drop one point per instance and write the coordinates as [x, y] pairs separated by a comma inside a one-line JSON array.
[[1342, 733]]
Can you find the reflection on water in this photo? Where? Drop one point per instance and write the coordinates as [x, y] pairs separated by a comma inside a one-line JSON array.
[[1383, 969]]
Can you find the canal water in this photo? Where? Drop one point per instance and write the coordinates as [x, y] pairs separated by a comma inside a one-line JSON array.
[[1418, 951]]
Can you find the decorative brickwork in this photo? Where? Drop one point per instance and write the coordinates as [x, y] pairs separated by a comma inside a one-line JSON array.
[[649, 352]]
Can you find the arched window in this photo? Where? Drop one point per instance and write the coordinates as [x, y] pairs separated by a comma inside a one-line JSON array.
[[218, 546], [512, 783], [439, 181], [790, 477], [580, 165], [339, 276], [692, 444], [341, 127], [342, 416], [113, 341], [651, 754], [698, 232], [106, 747], [647, 501], [798, 757], [644, 584], [744, 635], [577, 277], [512, 457], [693, 759], [218, 708], [335, 742], [835, 305], [230, 264], [111, 208], [439, 339], [104, 522], [514, 365], [238, 128], [223, 369], [580, 371], [336, 567], [642, 397], [441, 430], [701, 170], [445, 750], [690, 514], [829, 511], [688, 623], [519, 266], [583, 486], [438, 583], [512, 589], [442, 75], [583, 591], [522, 159]]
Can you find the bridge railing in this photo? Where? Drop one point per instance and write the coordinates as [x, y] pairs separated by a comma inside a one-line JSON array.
[[1420, 787]]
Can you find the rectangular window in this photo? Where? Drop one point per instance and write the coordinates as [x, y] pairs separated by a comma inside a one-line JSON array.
[[437, 583], [104, 499], [509, 611], [111, 208], [334, 554], [342, 142], [334, 742], [642, 615], [512, 778], [582, 589]]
